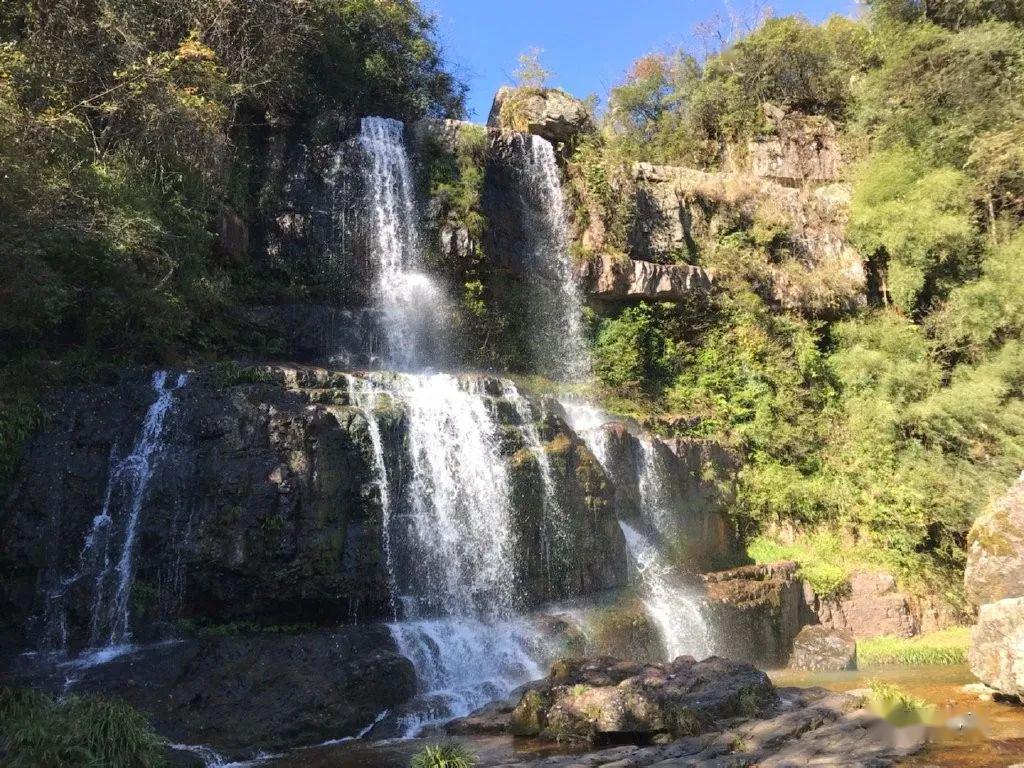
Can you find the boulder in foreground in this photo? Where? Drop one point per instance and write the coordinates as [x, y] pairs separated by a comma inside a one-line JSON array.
[[602, 699], [996, 655]]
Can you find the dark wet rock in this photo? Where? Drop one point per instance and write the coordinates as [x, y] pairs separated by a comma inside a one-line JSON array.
[[548, 112], [996, 655], [756, 610], [600, 699], [995, 550], [240, 694], [824, 649], [263, 508]]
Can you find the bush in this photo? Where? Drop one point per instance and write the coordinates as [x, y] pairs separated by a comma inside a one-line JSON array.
[[448, 755], [74, 732], [632, 349]]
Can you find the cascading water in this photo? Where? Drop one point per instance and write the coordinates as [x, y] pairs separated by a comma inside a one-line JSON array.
[[408, 300], [655, 494], [452, 546], [556, 304], [673, 609], [554, 532], [114, 569], [364, 394], [588, 422]]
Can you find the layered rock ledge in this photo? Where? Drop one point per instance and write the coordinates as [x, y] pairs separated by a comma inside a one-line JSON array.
[[612, 278]]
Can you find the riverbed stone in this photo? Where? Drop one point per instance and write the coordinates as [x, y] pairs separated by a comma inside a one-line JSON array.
[[824, 649]]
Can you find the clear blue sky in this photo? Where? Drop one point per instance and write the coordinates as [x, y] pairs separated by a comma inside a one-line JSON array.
[[588, 44]]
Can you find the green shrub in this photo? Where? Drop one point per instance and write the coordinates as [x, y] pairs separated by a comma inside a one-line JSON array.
[[632, 349], [74, 732], [447, 755]]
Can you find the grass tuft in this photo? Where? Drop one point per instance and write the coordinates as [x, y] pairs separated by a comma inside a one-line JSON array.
[[447, 755], [946, 646], [74, 732]]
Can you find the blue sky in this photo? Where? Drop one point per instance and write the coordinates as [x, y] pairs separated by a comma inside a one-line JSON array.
[[588, 44]]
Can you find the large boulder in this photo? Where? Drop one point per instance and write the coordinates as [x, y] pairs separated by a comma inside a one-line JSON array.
[[996, 655], [823, 649], [602, 698], [611, 278], [757, 611], [548, 112], [995, 550]]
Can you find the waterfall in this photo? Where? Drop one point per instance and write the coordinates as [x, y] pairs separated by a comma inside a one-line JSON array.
[[363, 394], [408, 299], [588, 421], [463, 663], [555, 300], [554, 531], [123, 498], [449, 541], [676, 613], [655, 491]]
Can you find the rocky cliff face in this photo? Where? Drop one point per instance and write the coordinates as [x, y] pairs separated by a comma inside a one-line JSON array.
[[680, 212], [263, 506]]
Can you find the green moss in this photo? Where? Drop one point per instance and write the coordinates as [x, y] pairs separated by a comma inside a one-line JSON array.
[[945, 646]]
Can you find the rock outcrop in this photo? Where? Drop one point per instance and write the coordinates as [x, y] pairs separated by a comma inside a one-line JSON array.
[[548, 112], [679, 213], [617, 279], [799, 149], [995, 550], [757, 611], [264, 508], [872, 606], [602, 698], [823, 649], [239, 694], [996, 655]]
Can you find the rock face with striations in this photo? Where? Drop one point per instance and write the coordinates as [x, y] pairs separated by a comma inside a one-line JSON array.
[[995, 550], [616, 279], [872, 606], [680, 212], [799, 149], [548, 112], [756, 610]]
